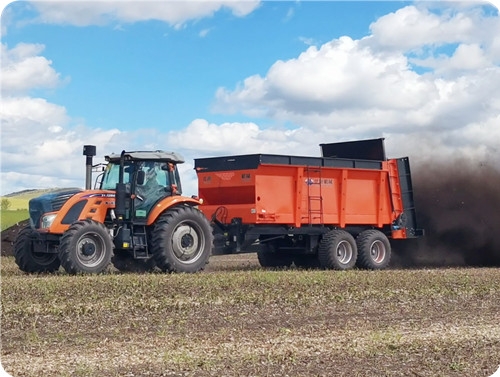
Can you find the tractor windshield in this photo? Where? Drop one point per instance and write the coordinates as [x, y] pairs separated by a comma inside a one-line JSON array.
[[155, 172], [112, 173]]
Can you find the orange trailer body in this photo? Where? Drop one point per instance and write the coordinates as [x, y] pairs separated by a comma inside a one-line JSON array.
[[266, 197], [299, 195]]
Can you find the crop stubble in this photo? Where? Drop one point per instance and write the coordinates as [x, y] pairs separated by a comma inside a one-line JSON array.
[[236, 319]]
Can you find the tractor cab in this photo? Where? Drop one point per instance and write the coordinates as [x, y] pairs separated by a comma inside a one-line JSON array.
[[147, 177]]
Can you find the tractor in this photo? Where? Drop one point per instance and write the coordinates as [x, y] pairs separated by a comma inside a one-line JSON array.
[[135, 218]]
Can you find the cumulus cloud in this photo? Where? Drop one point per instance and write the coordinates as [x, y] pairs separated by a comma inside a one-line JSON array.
[[40, 146], [412, 27], [231, 138], [426, 81], [23, 68], [176, 13]]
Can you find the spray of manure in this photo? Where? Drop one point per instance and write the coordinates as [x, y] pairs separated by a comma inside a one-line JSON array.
[[458, 206]]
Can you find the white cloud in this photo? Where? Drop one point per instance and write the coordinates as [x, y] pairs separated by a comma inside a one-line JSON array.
[[412, 27], [24, 69], [175, 13], [40, 147], [343, 90], [232, 138], [349, 89], [340, 77]]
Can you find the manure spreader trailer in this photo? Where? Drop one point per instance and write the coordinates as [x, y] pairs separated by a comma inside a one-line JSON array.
[[334, 211]]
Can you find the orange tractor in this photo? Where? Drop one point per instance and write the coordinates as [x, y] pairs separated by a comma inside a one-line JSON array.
[[137, 219]]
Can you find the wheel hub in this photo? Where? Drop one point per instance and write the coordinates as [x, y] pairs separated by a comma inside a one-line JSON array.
[[187, 241], [88, 249]]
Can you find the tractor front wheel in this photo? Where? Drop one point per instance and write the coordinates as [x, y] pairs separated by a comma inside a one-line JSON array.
[[27, 259], [86, 247], [182, 240]]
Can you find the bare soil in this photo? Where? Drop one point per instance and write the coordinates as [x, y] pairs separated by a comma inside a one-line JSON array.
[[8, 236], [236, 319]]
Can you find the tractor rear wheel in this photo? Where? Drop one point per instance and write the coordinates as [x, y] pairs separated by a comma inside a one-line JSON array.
[[27, 259], [337, 250], [182, 240], [374, 250], [86, 247]]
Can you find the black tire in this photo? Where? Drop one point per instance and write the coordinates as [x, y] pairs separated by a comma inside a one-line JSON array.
[[86, 247], [306, 261], [337, 250], [374, 250], [182, 240], [125, 262], [29, 261], [269, 256]]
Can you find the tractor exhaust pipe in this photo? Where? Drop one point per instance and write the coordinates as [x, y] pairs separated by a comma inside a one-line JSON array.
[[89, 151]]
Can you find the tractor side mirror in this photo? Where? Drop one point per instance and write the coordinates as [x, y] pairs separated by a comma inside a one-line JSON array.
[[141, 177]]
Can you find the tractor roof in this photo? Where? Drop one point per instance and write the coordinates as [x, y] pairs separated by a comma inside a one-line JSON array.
[[148, 155]]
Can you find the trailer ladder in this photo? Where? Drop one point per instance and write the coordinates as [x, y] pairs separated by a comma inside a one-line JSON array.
[[315, 212]]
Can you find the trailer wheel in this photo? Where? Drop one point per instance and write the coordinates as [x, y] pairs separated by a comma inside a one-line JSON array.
[[337, 250], [125, 262], [182, 240], [270, 257], [29, 261], [374, 250], [86, 247]]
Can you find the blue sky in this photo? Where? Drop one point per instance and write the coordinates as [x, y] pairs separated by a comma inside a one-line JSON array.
[[228, 77]]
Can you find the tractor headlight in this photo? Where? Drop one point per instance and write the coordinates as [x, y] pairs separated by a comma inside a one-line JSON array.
[[47, 220]]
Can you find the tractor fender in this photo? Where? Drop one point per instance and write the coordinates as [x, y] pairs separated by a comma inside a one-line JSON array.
[[167, 203]]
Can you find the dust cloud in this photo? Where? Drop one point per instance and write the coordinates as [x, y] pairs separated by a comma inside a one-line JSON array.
[[458, 206]]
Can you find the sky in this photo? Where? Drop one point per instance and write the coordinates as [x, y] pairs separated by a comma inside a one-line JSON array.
[[215, 78]]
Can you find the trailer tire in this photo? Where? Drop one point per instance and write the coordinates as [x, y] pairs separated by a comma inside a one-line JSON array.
[[182, 240], [374, 250], [29, 261], [85, 247], [337, 250]]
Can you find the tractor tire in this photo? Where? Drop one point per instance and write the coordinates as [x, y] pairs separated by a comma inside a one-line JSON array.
[[86, 247], [125, 262], [337, 250], [182, 240], [29, 261], [270, 257], [374, 250]]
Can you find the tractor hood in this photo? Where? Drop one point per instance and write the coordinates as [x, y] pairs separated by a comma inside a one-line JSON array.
[[50, 202]]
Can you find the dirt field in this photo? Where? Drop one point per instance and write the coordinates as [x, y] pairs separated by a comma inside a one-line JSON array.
[[236, 319]]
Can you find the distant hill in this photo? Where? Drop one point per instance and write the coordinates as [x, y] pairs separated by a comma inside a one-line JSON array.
[[19, 200]]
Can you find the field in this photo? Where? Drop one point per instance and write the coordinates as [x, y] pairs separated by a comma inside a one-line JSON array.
[[236, 319], [9, 218], [19, 200], [18, 208]]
